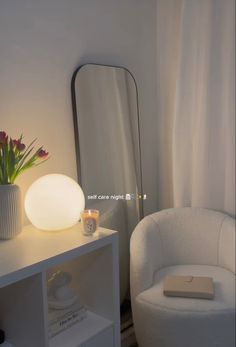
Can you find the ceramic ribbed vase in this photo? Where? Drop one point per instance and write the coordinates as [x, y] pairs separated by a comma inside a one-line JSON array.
[[10, 211]]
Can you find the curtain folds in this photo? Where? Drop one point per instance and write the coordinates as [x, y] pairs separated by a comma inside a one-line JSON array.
[[201, 110]]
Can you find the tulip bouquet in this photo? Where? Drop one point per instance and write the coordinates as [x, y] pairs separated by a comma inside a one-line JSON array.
[[15, 157]]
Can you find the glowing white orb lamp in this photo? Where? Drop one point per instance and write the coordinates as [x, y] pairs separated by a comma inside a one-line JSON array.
[[54, 202]]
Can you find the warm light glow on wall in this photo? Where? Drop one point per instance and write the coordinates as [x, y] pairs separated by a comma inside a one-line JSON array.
[[54, 202]]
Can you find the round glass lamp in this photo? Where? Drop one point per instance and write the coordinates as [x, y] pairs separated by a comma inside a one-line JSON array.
[[54, 202]]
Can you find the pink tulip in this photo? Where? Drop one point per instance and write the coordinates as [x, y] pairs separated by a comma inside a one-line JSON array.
[[20, 146], [42, 154], [3, 138], [15, 142], [15, 157]]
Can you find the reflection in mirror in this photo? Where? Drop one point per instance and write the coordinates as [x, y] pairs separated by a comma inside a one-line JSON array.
[[108, 150]]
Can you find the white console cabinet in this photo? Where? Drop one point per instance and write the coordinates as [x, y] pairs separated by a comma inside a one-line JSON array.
[[25, 264]]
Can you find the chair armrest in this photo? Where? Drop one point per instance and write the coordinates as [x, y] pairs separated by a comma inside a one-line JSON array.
[[227, 244], [145, 255]]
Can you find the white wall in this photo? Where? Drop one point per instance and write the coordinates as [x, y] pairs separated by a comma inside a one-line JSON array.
[[41, 44]]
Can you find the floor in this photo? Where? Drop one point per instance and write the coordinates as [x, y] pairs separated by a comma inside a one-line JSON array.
[[127, 329]]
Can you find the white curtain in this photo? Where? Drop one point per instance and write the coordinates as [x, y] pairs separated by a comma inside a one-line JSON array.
[[197, 103]]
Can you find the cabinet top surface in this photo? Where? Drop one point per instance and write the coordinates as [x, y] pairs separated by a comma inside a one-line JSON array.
[[35, 250]]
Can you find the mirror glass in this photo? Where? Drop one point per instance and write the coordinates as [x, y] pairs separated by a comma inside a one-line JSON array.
[[106, 123]]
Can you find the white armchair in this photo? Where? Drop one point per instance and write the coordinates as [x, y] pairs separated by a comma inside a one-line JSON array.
[[183, 241]]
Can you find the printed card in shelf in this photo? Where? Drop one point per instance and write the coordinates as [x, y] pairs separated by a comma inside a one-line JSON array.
[[56, 314], [60, 320]]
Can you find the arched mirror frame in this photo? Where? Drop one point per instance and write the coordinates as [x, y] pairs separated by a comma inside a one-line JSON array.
[[76, 127]]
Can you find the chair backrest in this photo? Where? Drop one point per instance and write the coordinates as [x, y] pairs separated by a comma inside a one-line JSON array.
[[180, 236], [196, 236]]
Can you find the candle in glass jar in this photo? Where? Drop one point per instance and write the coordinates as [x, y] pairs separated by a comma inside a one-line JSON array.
[[90, 221]]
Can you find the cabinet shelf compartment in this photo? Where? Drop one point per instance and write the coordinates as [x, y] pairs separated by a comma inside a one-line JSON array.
[[21, 312], [92, 279], [29, 259], [82, 332]]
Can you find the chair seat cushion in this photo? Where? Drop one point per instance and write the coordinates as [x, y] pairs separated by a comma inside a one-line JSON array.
[[162, 321], [224, 287]]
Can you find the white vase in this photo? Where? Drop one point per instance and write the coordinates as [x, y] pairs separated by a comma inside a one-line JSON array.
[[10, 211]]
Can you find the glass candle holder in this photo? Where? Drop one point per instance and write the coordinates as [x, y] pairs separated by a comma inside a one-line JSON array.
[[90, 221]]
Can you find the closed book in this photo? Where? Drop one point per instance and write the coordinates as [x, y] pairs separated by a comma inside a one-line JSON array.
[[55, 315], [189, 287], [66, 321]]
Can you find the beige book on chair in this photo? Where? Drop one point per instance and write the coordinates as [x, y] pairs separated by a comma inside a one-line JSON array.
[[189, 286]]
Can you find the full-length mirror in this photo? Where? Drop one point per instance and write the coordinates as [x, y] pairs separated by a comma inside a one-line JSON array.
[[106, 123]]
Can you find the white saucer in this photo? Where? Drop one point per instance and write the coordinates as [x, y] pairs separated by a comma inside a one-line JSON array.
[[61, 304]]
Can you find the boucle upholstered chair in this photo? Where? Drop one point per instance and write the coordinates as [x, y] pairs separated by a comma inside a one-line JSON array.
[[183, 241]]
